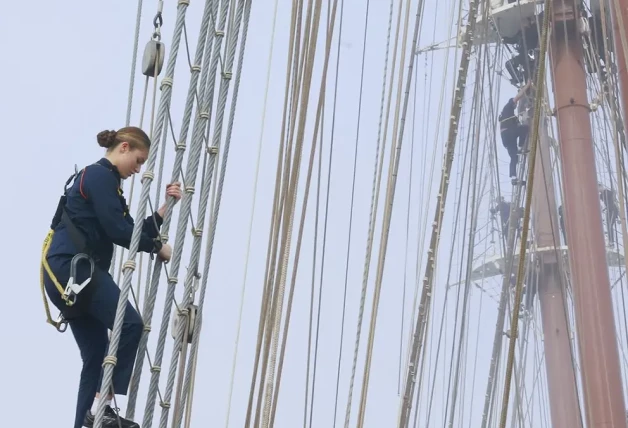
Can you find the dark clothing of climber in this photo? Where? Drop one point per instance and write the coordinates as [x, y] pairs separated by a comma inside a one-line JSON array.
[[612, 212], [531, 287], [514, 68], [503, 208], [561, 221], [97, 208], [530, 283], [514, 134], [89, 320], [522, 65]]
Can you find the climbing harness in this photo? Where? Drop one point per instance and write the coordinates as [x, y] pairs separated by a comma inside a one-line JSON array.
[[70, 292]]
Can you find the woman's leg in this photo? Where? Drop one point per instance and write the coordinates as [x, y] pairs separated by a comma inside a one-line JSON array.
[[513, 153], [89, 333], [91, 338], [509, 140], [96, 306], [522, 132], [102, 306]]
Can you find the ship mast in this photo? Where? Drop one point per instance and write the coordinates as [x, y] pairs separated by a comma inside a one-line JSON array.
[[563, 395], [561, 375], [595, 326]]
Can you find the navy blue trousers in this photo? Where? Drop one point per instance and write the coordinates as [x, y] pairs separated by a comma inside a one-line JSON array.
[[90, 319], [510, 137]]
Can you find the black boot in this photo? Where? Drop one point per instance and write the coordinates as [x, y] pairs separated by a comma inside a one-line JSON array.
[[110, 420]]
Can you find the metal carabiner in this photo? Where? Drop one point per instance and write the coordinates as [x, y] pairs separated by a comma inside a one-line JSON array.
[[61, 324], [73, 289]]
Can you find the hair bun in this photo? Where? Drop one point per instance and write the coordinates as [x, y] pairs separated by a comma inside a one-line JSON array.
[[106, 139]]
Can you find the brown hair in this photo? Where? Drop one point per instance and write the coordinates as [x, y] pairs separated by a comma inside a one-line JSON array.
[[130, 134]]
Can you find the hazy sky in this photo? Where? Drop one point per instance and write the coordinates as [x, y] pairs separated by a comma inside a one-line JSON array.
[[65, 78]]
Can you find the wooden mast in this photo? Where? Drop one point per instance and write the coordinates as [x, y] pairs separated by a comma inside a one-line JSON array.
[[595, 326], [561, 376]]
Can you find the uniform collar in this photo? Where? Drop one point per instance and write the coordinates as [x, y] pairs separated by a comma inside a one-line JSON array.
[[107, 164]]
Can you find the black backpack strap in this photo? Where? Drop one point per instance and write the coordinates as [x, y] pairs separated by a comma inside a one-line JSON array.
[[61, 216], [76, 236], [61, 205]]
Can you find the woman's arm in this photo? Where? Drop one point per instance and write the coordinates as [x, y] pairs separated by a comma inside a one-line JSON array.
[[162, 211], [100, 187], [522, 92], [153, 223], [172, 190]]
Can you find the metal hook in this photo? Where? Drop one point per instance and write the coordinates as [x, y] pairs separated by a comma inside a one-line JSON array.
[[61, 324], [73, 289]]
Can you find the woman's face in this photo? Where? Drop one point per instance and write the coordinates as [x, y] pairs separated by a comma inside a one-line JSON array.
[[129, 161]]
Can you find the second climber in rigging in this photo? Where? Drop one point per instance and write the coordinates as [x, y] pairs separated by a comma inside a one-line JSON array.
[[91, 217], [607, 196], [514, 134], [561, 223], [522, 65], [503, 208]]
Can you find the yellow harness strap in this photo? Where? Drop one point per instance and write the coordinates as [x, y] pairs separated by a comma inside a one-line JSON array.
[[508, 118], [46, 266], [501, 129]]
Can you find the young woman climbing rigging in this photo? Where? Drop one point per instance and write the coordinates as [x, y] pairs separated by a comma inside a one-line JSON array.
[[514, 134], [91, 217]]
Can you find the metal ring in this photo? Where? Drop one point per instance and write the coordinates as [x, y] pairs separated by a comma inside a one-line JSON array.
[[158, 21], [62, 326]]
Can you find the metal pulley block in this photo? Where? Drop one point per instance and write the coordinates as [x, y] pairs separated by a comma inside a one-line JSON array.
[[154, 54], [190, 319]]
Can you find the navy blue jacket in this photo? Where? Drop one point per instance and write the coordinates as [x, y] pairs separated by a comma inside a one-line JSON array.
[[508, 119], [98, 209]]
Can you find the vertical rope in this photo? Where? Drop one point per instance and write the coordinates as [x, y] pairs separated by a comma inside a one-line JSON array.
[[475, 206], [255, 188], [205, 93], [214, 217], [315, 138], [275, 282], [129, 106], [291, 65], [278, 237], [438, 215], [289, 212], [149, 304], [379, 162], [398, 126], [206, 186]]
